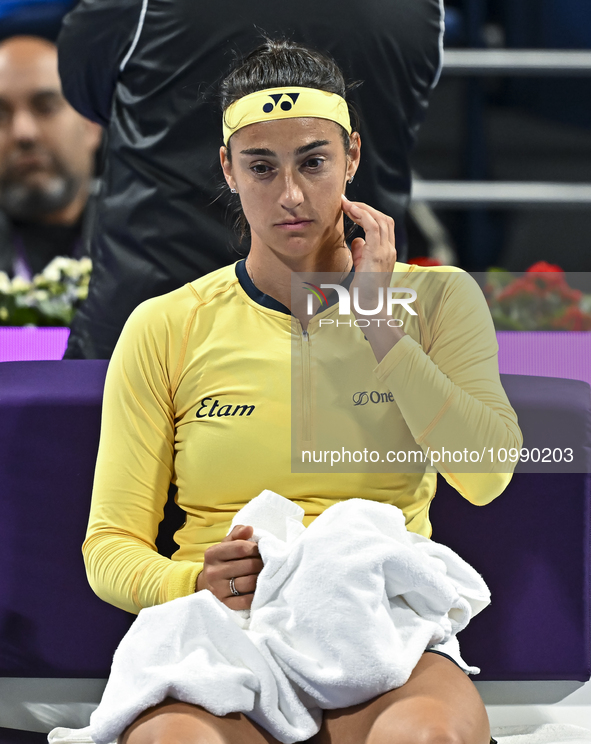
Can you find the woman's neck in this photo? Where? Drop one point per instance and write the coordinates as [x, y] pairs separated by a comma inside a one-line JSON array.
[[271, 272]]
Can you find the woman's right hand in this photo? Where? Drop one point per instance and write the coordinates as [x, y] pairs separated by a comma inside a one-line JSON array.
[[236, 557]]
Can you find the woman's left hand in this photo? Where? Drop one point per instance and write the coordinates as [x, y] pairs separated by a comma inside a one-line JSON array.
[[377, 252], [374, 259]]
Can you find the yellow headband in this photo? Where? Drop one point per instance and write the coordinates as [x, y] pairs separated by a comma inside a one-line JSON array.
[[285, 103]]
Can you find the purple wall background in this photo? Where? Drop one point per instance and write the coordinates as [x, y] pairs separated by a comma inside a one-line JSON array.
[[32, 344], [544, 353]]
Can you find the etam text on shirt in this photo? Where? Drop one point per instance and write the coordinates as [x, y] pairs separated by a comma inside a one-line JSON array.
[[208, 409]]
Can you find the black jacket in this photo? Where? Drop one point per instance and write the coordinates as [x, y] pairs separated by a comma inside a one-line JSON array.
[[148, 71], [39, 243]]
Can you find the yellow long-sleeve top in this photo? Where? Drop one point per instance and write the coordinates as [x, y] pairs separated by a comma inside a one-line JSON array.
[[215, 387]]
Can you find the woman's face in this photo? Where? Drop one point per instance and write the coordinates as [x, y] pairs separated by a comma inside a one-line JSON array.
[[290, 175]]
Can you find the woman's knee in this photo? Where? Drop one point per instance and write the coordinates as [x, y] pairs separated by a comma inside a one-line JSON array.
[[392, 729], [166, 725]]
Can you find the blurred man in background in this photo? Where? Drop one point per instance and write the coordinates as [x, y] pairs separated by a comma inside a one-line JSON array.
[[47, 155]]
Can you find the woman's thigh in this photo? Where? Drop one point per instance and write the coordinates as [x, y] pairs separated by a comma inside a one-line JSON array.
[[173, 722], [438, 705]]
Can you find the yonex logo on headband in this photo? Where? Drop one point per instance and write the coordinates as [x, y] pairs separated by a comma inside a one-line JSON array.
[[285, 105], [280, 103]]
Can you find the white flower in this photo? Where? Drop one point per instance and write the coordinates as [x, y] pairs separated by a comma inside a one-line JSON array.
[[62, 262], [4, 283], [72, 268], [42, 281], [19, 285], [53, 294], [25, 300], [85, 265], [51, 272], [82, 292], [41, 295]]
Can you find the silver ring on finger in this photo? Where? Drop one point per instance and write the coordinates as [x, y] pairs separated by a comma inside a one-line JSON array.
[[233, 589]]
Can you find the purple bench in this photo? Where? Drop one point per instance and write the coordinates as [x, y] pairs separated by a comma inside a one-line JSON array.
[[532, 544]]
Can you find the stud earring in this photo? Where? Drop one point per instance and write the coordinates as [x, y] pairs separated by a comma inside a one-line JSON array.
[[233, 191], [351, 179]]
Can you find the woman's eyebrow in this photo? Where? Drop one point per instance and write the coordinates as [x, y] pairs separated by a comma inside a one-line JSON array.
[[265, 152], [311, 146]]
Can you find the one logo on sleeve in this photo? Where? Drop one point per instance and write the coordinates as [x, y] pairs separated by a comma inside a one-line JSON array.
[[209, 409], [285, 105]]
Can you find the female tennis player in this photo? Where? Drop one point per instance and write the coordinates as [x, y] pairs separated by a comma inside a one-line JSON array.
[[199, 393]]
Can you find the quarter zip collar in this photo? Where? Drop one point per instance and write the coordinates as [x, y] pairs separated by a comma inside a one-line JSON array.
[[271, 303]]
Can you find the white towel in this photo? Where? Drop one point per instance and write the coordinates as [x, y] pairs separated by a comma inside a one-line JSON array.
[[342, 612]]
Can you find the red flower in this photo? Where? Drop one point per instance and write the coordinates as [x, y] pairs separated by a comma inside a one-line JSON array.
[[570, 295], [523, 287], [573, 319], [424, 261], [544, 266], [546, 277]]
